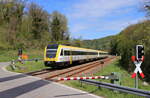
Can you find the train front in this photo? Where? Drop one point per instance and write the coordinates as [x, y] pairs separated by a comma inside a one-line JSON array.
[[50, 55]]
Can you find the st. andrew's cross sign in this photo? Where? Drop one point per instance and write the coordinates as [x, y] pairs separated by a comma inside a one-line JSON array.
[[138, 60]]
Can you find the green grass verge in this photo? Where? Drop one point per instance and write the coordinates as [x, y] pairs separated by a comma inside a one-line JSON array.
[[13, 54], [7, 55], [126, 80], [28, 66]]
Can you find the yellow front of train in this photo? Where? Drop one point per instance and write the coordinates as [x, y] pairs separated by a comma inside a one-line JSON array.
[[50, 54]]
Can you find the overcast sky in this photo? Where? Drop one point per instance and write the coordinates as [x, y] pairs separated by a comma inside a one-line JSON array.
[[92, 19]]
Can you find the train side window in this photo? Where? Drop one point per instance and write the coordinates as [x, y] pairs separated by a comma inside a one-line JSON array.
[[73, 52], [66, 52], [69, 52], [83, 53]]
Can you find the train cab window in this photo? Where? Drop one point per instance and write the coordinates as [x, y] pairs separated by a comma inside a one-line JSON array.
[[51, 51]]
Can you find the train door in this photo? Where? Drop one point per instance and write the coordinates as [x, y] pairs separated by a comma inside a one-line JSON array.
[[70, 56]]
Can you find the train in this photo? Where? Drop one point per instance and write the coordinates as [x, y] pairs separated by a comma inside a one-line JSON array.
[[56, 55]]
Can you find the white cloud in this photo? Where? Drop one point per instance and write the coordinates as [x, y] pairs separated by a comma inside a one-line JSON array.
[[79, 27], [88, 15], [98, 8], [102, 29]]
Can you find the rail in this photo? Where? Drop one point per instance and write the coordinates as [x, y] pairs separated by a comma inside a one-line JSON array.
[[74, 71], [135, 91]]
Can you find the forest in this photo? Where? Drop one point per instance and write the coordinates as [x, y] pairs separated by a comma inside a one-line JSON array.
[[27, 25]]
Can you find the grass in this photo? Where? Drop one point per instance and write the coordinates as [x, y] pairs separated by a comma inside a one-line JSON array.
[[6, 56], [28, 66], [126, 80]]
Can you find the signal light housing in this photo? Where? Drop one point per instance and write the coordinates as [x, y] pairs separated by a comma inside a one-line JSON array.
[[140, 52]]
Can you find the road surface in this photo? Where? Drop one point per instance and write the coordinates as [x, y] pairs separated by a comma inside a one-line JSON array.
[[17, 85]]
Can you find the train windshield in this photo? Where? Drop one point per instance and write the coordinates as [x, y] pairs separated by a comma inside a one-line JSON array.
[[51, 51]]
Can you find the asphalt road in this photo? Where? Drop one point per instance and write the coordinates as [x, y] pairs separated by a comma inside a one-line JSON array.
[[16, 85]]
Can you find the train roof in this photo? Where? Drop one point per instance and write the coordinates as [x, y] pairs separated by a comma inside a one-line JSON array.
[[72, 47]]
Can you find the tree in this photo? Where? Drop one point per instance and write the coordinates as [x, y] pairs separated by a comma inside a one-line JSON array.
[[23, 26], [77, 42], [59, 28], [11, 17], [113, 46], [39, 21]]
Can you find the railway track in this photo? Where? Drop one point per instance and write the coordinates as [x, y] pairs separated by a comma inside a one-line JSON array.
[[88, 68]]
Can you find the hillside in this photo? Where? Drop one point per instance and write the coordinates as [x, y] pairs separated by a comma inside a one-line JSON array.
[[102, 43], [124, 44]]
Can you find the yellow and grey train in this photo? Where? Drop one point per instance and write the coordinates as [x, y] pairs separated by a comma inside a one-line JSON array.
[[56, 55]]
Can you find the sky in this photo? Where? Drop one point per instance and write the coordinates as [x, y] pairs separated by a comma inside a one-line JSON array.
[[93, 19]]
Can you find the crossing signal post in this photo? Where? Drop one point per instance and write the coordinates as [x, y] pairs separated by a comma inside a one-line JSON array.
[[138, 61]]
